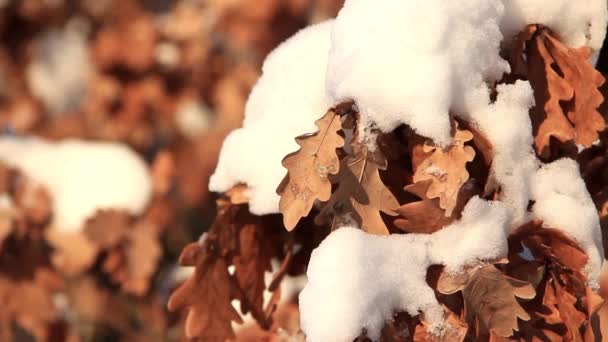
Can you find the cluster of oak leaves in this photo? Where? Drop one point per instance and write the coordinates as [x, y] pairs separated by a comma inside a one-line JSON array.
[[111, 281], [335, 178]]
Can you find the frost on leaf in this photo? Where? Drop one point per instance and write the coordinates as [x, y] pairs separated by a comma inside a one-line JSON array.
[[566, 89], [490, 299], [309, 169], [445, 168], [361, 194]]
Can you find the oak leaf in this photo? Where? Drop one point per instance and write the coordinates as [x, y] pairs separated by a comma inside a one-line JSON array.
[[490, 301], [207, 295], [309, 168], [566, 89], [361, 194], [454, 331], [424, 216], [445, 168]]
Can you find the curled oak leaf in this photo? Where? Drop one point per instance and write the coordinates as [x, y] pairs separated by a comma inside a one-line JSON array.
[[490, 299], [562, 305], [445, 168], [550, 244], [424, 216], [251, 263], [309, 168], [361, 194], [207, 294]]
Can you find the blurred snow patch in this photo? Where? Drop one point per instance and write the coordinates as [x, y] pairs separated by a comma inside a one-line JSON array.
[[82, 177], [60, 67]]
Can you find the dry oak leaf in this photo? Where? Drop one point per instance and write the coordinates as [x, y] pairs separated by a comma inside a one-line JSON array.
[[490, 301], [562, 308], [454, 331], [207, 294], [566, 90], [424, 216], [445, 168], [309, 168], [361, 194], [251, 263]]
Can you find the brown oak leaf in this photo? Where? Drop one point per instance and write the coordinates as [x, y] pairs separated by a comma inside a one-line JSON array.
[[247, 242], [361, 194], [490, 301], [207, 294], [424, 216], [445, 168], [309, 168]]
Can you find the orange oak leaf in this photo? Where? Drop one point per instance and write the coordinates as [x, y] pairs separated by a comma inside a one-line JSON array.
[[566, 89], [454, 331], [361, 194], [490, 301], [309, 168], [445, 168]]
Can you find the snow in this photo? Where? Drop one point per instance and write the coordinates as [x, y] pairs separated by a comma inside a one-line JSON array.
[[439, 55], [358, 281], [577, 23], [60, 68], [193, 118], [285, 102], [81, 177], [562, 202], [414, 62]]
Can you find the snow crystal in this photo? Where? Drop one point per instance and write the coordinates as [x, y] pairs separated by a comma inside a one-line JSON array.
[[358, 281], [59, 71], [81, 177], [284, 103]]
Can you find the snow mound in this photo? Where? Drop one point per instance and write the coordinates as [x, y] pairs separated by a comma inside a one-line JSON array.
[[358, 281], [285, 102], [412, 62], [81, 177]]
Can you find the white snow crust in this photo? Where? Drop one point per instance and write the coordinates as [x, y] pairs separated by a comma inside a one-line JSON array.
[[414, 62], [81, 177], [285, 102]]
